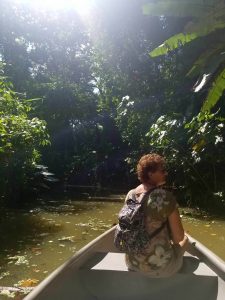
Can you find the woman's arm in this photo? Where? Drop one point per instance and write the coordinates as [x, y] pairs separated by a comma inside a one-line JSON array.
[[176, 227]]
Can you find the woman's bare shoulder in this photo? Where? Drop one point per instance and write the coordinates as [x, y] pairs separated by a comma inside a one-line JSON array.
[[139, 189]]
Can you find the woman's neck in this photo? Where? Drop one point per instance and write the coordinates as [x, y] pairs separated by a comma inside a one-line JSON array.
[[148, 186]]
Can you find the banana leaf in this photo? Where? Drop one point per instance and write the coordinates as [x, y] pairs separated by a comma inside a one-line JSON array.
[[211, 19], [214, 55], [181, 39], [208, 70], [177, 8], [173, 43], [215, 92]]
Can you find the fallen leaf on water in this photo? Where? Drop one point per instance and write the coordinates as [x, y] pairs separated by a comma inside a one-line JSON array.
[[44, 234], [67, 239], [27, 282], [35, 249], [82, 224], [7, 293], [4, 274], [19, 259], [95, 228]]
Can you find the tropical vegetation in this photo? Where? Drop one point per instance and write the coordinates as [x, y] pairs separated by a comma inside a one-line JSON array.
[[85, 98]]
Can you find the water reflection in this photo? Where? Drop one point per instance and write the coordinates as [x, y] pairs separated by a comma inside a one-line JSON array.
[[22, 229], [37, 240]]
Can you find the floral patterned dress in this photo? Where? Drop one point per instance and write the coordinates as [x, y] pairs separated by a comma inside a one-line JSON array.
[[161, 258]]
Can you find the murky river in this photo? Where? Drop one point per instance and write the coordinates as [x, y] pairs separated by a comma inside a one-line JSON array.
[[37, 240]]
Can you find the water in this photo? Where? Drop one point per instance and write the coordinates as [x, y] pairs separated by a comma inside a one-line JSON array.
[[36, 241]]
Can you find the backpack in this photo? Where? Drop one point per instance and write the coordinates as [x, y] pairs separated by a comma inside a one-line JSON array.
[[130, 233]]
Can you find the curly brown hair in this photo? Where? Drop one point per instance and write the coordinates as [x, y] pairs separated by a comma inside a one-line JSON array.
[[149, 163]]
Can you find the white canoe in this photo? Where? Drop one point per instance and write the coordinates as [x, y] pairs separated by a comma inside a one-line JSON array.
[[98, 271]]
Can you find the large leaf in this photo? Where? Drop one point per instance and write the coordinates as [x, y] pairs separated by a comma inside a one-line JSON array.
[[207, 24], [178, 8], [173, 43], [215, 92], [214, 55], [211, 19], [209, 69], [181, 39]]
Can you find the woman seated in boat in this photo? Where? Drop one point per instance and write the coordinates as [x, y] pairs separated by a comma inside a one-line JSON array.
[[164, 255]]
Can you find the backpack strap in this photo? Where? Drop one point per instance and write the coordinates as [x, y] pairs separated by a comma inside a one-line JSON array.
[[144, 194]]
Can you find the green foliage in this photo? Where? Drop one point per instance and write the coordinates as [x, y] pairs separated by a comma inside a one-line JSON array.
[[54, 50], [178, 8], [208, 61], [21, 138], [206, 133], [193, 139], [168, 134], [173, 43], [194, 151], [215, 92], [105, 102], [207, 21]]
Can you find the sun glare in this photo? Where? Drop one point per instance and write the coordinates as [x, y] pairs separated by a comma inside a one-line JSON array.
[[81, 6]]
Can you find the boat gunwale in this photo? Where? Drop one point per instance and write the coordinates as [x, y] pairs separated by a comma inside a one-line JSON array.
[[211, 259]]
